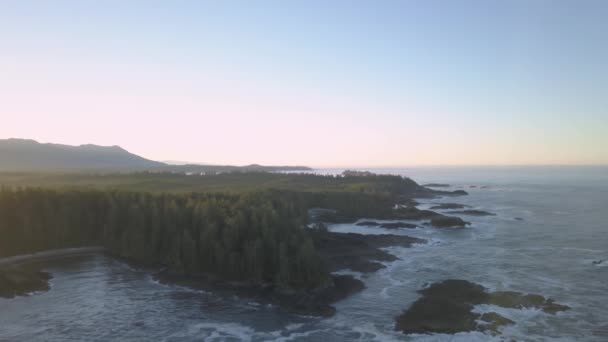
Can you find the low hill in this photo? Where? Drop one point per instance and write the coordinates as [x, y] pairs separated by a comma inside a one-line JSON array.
[[27, 155], [31, 156]]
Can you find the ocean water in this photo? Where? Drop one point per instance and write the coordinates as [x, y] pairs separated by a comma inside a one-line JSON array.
[[550, 252]]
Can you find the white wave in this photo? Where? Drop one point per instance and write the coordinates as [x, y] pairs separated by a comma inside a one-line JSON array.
[[220, 331], [291, 336], [584, 249], [459, 337], [176, 287], [348, 272]]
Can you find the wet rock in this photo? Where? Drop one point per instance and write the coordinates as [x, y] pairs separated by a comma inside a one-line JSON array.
[[449, 206], [21, 281], [447, 307], [408, 202], [315, 302], [597, 262], [448, 222], [450, 193], [493, 321], [519, 219], [318, 302], [551, 307], [437, 315], [516, 300], [412, 213], [358, 252], [436, 185], [471, 212], [368, 223], [396, 225]]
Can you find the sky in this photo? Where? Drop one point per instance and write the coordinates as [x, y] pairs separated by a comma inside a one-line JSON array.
[[320, 83]]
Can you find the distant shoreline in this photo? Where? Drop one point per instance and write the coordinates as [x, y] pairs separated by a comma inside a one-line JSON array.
[[54, 253]]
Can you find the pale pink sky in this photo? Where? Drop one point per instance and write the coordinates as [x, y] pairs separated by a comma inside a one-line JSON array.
[[331, 86]]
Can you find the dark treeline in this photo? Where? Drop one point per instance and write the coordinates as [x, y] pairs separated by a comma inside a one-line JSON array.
[[257, 237], [226, 182], [244, 227]]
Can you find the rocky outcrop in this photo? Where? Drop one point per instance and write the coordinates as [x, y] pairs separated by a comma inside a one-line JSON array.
[[448, 222], [368, 223], [397, 225], [449, 206], [447, 307], [436, 185], [318, 302], [451, 193], [358, 252], [471, 212], [21, 281]]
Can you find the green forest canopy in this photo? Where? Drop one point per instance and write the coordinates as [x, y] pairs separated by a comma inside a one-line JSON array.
[[245, 227]]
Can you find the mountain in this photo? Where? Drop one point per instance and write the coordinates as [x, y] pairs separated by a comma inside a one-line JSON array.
[[30, 155], [181, 162]]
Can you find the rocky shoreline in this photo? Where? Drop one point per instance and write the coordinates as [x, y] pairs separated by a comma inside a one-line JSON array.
[[342, 251], [16, 281], [445, 307], [448, 307], [21, 275]]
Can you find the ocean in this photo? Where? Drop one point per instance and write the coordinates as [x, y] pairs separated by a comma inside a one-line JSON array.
[[551, 224]]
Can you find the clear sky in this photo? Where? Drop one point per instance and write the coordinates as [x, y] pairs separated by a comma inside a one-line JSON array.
[[321, 83]]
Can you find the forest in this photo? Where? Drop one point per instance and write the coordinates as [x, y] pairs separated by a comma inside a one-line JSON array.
[[253, 231]]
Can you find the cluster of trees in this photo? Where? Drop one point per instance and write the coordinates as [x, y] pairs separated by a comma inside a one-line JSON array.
[[245, 232], [255, 237], [227, 182]]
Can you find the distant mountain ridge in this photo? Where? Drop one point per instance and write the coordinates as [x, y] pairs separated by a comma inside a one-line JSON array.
[[30, 155], [26, 155]]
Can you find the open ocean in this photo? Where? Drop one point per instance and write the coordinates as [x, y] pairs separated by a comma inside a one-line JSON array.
[[564, 228]]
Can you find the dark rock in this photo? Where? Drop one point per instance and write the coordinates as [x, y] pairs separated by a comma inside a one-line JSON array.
[[446, 307], [551, 307], [493, 321], [21, 281], [598, 262], [437, 315], [396, 225], [344, 286], [436, 185], [412, 213], [516, 300], [368, 223], [358, 252], [448, 222], [449, 206], [519, 219], [318, 302], [408, 202], [471, 212], [450, 193]]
